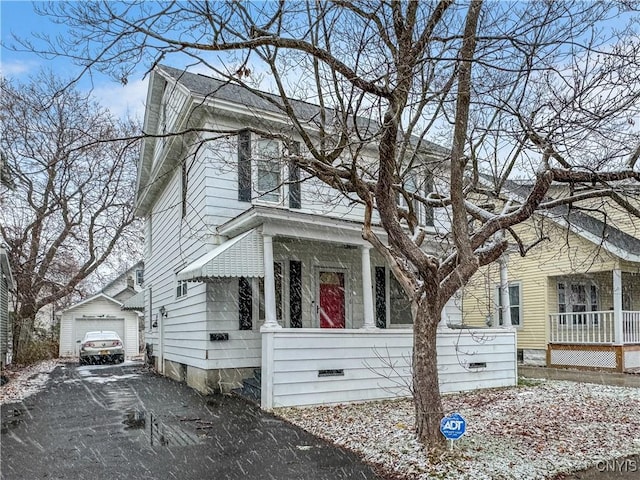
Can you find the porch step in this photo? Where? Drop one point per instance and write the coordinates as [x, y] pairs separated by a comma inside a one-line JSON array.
[[251, 387]]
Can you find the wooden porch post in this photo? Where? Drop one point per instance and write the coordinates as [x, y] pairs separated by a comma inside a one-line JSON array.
[[270, 320], [618, 337], [367, 288], [504, 291]]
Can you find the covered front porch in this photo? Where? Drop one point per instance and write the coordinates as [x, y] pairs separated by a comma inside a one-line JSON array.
[[303, 308], [583, 334]]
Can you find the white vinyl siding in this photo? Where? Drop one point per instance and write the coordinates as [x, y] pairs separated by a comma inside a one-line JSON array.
[[311, 367]]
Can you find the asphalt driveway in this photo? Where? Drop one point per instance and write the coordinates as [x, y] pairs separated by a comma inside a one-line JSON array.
[[111, 422]]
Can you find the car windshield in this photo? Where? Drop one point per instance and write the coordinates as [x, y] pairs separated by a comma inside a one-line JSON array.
[[101, 336]]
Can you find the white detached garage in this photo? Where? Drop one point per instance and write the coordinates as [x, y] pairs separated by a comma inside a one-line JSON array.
[[99, 312]]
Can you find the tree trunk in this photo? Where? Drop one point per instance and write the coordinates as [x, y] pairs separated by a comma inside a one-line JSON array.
[[426, 391], [22, 331]]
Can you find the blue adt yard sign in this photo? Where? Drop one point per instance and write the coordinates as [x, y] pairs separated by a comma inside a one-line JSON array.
[[453, 426]]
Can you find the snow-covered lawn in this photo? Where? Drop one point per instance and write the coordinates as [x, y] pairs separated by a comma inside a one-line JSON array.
[[526, 432]]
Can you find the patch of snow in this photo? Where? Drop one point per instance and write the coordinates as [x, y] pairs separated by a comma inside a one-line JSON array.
[[109, 379], [531, 432], [26, 381]]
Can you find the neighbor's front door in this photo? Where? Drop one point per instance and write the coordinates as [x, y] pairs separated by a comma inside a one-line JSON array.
[[331, 299]]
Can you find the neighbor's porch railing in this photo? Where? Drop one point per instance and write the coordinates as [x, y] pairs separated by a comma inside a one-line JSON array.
[[582, 327], [631, 327], [592, 327]]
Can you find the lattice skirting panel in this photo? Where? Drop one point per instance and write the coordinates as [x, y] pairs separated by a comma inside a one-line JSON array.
[[587, 358]]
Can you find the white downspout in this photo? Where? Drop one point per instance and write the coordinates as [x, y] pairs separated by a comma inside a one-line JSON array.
[[504, 291]]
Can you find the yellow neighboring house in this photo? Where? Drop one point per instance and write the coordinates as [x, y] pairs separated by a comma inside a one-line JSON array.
[[574, 299]]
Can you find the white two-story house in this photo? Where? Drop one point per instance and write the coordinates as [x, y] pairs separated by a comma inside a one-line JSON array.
[[239, 245]]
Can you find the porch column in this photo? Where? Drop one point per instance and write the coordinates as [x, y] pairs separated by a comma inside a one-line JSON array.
[[504, 292], [367, 288], [270, 320], [618, 337]]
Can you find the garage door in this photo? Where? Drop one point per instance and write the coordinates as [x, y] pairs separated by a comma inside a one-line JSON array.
[[84, 325]]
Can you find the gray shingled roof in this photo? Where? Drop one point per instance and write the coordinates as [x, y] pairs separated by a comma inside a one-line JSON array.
[[209, 87], [581, 220]]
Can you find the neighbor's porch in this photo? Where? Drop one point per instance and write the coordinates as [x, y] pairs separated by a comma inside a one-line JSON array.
[[583, 334]]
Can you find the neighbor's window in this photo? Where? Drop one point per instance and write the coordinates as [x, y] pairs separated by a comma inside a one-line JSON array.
[[267, 162], [181, 289], [578, 298], [515, 304]]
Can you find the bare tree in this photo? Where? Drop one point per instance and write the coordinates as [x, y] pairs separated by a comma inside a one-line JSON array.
[[70, 202], [535, 89]]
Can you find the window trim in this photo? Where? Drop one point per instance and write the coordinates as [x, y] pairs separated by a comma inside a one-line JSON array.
[[498, 304], [181, 289], [387, 299], [262, 196], [590, 287], [423, 183]]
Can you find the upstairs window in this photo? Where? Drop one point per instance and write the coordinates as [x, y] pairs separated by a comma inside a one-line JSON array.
[[414, 183], [260, 165], [268, 171]]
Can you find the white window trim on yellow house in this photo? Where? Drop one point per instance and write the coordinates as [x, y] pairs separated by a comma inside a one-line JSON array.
[[498, 304]]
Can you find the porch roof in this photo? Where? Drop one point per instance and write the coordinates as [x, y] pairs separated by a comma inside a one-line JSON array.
[[136, 302], [241, 256], [280, 222]]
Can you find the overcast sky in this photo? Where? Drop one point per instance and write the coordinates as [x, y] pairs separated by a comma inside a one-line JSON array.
[[18, 17]]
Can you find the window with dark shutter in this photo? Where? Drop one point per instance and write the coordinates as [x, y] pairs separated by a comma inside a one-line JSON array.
[[294, 178], [245, 305], [244, 166], [295, 293], [381, 298]]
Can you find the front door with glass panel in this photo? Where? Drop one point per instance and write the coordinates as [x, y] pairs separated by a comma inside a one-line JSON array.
[[331, 299]]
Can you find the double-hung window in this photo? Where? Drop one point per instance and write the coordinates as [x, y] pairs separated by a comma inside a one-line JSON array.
[[515, 304], [181, 289], [261, 165], [577, 298], [415, 184], [268, 169], [392, 306]]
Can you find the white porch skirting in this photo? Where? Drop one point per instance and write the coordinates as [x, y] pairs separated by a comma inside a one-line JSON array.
[[321, 366]]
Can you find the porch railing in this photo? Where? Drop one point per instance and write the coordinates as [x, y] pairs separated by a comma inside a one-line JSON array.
[[631, 326], [581, 327], [593, 327]]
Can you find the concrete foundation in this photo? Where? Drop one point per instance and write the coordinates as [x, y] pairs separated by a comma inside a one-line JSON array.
[[175, 371], [533, 357], [216, 381], [205, 381]]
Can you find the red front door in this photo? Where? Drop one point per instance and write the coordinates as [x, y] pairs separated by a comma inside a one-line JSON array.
[[331, 300]]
